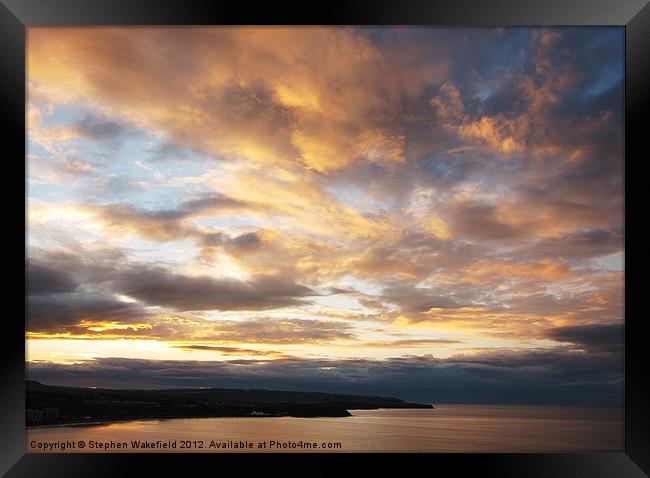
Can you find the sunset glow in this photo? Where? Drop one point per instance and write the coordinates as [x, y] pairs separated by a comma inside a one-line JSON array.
[[373, 208]]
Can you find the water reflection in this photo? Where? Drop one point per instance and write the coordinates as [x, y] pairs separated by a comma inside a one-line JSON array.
[[447, 428]]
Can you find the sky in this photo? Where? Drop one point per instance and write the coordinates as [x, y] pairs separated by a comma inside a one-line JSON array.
[[434, 214]]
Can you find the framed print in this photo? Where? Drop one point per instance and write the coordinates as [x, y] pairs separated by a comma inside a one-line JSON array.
[[362, 232]]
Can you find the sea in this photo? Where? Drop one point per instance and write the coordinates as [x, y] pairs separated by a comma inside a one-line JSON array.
[[443, 429]]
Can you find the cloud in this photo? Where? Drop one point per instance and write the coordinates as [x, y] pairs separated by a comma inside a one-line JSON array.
[[209, 203], [583, 244], [65, 314], [324, 114], [167, 224], [492, 270], [416, 300], [480, 221], [98, 128], [103, 319], [138, 300], [161, 287], [245, 241], [260, 330], [551, 376], [41, 279], [168, 151], [227, 350], [119, 185], [591, 337], [415, 255], [411, 343], [157, 286], [461, 181]]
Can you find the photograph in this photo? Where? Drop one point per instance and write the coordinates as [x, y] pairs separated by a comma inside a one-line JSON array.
[[325, 239]]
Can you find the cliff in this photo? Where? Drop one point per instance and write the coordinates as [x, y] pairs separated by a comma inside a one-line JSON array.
[[75, 404]]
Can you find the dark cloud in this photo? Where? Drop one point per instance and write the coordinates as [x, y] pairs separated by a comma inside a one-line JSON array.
[[53, 280], [209, 202], [41, 279], [166, 224], [549, 376], [585, 244], [162, 225], [98, 128], [157, 286], [214, 239], [480, 221], [187, 208], [246, 241], [63, 313], [415, 300], [243, 242], [84, 266], [592, 337]]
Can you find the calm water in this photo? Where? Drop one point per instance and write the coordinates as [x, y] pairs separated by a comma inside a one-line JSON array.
[[447, 428]]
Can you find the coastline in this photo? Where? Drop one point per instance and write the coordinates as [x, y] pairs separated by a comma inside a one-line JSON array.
[[75, 406], [110, 422]]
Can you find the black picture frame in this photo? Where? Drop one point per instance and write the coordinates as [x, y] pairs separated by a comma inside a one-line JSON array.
[[634, 15]]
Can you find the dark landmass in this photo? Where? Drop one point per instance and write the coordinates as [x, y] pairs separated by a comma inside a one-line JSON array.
[[51, 405]]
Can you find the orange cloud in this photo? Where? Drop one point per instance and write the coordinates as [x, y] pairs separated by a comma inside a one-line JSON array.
[[322, 97], [490, 270]]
